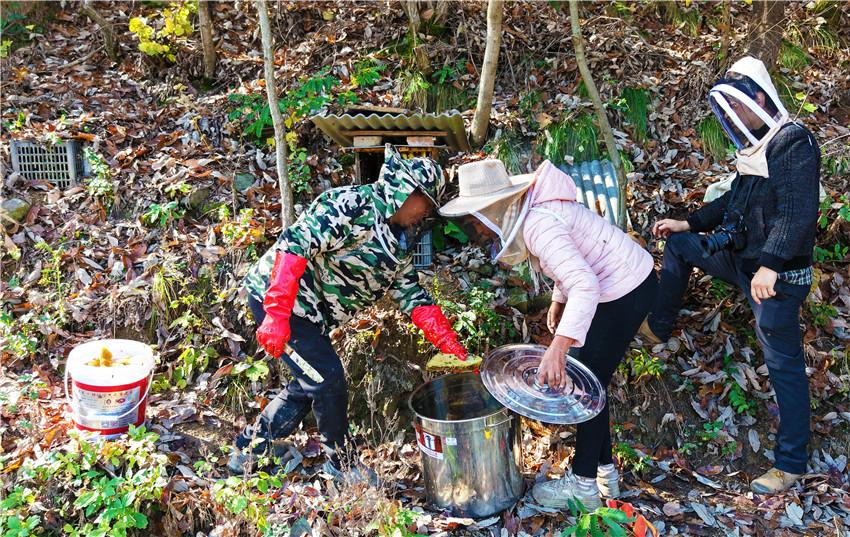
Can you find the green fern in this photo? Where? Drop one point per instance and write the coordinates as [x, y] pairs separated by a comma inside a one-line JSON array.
[[636, 112], [713, 138], [577, 137], [792, 57]]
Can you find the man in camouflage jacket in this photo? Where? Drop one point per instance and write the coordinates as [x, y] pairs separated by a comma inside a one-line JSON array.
[[350, 247]]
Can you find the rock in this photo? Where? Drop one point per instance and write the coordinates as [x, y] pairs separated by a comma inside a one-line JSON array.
[[518, 298], [196, 198], [15, 209], [243, 181]]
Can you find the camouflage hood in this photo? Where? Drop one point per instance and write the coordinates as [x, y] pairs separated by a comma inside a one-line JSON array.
[[399, 177], [353, 256]]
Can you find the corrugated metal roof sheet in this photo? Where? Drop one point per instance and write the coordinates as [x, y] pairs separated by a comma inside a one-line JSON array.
[[450, 122], [596, 183]]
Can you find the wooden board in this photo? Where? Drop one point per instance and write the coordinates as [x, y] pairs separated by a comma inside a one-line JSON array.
[[394, 133], [367, 141]]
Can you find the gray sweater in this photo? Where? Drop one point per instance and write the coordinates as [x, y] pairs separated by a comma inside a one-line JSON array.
[[781, 216]]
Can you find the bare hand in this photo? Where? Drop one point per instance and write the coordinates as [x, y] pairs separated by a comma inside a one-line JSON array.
[[663, 228], [553, 318], [553, 366], [761, 287]]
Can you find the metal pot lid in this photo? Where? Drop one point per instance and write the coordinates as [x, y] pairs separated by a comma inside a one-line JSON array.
[[510, 375]]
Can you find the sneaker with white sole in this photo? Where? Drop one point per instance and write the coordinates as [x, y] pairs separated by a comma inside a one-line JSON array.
[[240, 461], [559, 493], [774, 481], [355, 475], [608, 481]]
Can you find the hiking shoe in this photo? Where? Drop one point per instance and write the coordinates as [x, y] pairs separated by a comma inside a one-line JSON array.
[[608, 481], [773, 481], [240, 461], [647, 334], [357, 474], [558, 493]]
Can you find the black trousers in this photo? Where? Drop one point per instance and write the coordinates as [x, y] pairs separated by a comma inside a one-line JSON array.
[[777, 329], [328, 400], [614, 325]]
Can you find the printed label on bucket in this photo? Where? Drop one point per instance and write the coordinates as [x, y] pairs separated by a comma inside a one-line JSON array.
[[102, 404], [429, 444]]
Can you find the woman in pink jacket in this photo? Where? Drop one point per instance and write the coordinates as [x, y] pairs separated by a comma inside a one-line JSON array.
[[604, 286]]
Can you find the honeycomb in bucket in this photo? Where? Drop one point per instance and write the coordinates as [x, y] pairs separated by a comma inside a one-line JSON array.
[[107, 360], [451, 363]]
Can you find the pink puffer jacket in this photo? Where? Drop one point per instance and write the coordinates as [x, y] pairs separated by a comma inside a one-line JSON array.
[[590, 260]]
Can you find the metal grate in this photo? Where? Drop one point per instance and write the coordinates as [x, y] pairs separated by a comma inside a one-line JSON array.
[[422, 254], [60, 164]]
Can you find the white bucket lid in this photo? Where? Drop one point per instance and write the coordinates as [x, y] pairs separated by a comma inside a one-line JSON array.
[[141, 362]]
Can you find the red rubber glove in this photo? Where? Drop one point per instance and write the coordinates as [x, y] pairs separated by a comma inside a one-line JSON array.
[[438, 330], [274, 333]]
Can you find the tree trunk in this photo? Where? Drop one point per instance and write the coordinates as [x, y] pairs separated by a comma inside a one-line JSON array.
[[286, 209], [766, 28], [726, 36], [607, 133], [207, 38], [109, 41], [419, 11], [481, 120]]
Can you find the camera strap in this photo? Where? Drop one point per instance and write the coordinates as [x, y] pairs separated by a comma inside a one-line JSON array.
[[746, 197]]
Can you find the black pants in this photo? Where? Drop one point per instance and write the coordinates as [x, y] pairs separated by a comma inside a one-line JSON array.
[[328, 400], [777, 329], [612, 329]]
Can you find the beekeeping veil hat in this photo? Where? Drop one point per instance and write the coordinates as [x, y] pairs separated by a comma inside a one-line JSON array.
[[498, 201], [749, 125]]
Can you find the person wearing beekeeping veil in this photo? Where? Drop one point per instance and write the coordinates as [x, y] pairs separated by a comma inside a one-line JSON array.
[[604, 285], [759, 236]]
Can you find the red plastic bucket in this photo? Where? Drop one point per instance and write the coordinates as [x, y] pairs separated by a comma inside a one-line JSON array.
[[107, 400]]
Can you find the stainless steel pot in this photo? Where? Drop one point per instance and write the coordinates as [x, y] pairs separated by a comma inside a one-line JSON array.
[[469, 444]]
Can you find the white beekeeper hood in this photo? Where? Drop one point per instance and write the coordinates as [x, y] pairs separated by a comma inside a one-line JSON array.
[[747, 76]]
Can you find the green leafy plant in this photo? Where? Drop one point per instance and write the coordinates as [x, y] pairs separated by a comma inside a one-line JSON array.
[[251, 368], [174, 27], [713, 138], [636, 110], [837, 253], [598, 523], [392, 520], [100, 184], [299, 171], [248, 498], [791, 56], [821, 312], [161, 215], [18, 335], [105, 487], [253, 115], [577, 137], [413, 87], [244, 230], [837, 210], [710, 431], [366, 73], [477, 323], [450, 230], [507, 148], [643, 365], [450, 71], [804, 105], [737, 395], [631, 458]]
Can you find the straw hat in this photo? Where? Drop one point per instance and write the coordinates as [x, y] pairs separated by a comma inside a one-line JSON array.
[[483, 183]]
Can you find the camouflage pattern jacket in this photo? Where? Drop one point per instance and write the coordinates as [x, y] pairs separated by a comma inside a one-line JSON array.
[[353, 257]]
